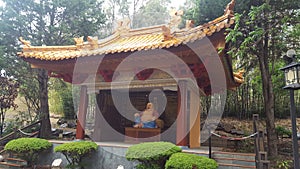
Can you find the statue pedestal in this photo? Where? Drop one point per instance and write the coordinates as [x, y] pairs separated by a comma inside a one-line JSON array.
[[136, 135]]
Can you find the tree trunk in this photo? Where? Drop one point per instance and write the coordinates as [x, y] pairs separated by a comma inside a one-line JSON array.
[[268, 97], [1, 121], [45, 131]]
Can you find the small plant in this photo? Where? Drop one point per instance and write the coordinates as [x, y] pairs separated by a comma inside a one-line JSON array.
[[190, 161], [284, 164], [76, 151], [28, 148], [152, 155], [282, 131]]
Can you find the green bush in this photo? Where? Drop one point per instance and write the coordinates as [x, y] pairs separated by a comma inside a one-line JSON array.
[[76, 151], [152, 155], [28, 148], [190, 161], [282, 131]]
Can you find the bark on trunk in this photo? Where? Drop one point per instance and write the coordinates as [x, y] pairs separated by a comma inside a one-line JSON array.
[[268, 96], [45, 131], [1, 122]]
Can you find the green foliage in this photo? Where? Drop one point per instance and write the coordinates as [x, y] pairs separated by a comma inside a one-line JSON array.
[[203, 11], [54, 22], [76, 151], [8, 94], [284, 164], [190, 161], [61, 99], [258, 40], [282, 131], [152, 155], [28, 148]]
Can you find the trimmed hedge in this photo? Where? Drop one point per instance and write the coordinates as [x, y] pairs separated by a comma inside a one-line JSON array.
[[190, 161], [151, 155], [28, 148], [76, 151]]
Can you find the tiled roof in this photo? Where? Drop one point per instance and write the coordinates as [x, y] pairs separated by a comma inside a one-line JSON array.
[[125, 39]]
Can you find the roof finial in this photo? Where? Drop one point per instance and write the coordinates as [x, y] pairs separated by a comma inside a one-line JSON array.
[[24, 42], [229, 9]]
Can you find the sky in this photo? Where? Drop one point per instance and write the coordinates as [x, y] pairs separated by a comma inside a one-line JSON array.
[[177, 3]]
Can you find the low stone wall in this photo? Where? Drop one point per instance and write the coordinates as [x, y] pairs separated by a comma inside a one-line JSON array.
[[106, 157]]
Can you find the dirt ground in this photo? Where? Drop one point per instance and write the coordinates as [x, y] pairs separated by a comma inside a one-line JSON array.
[[285, 150]]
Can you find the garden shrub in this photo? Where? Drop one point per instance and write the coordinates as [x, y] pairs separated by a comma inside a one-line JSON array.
[[282, 131], [76, 151], [151, 155], [28, 148], [190, 161]]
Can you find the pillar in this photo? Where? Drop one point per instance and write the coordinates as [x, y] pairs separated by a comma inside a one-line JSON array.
[[194, 136], [82, 110], [182, 115]]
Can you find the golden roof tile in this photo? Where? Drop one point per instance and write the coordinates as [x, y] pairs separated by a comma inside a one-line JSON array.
[[125, 39]]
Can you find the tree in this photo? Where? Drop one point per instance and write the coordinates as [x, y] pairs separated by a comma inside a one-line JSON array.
[[61, 100], [8, 94], [115, 8], [260, 36], [21, 71], [203, 11], [154, 12], [135, 4], [50, 22]]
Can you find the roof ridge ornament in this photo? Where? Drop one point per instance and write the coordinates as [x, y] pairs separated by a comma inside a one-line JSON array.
[[123, 26], [189, 24], [166, 32], [93, 42], [175, 19], [24, 42], [79, 42], [239, 76], [230, 9]]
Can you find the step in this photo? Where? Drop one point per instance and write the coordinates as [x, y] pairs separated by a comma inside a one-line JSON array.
[[242, 156], [10, 165], [199, 153], [233, 166], [235, 161], [16, 161]]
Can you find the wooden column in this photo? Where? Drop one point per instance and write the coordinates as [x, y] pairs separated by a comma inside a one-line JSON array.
[[194, 136], [182, 115], [82, 110]]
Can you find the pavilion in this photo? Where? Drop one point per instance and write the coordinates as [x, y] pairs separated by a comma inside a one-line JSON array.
[[164, 64]]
